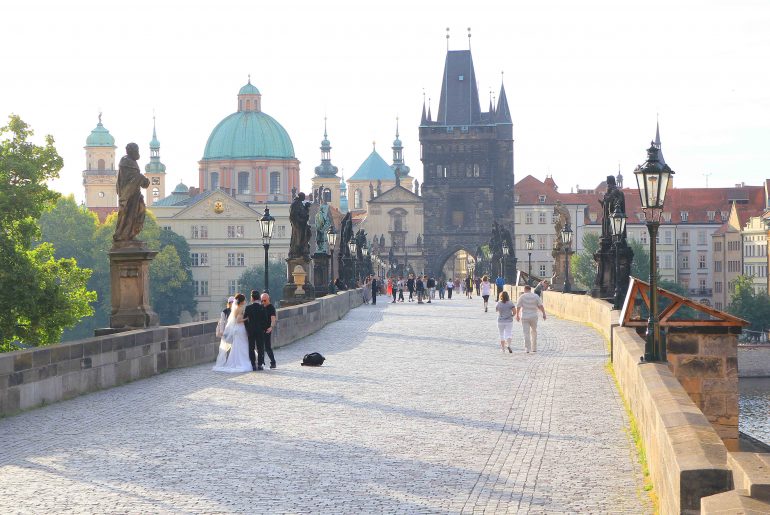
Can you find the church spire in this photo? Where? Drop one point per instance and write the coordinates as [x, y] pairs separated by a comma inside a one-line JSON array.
[[503, 114], [424, 117], [326, 168], [398, 165]]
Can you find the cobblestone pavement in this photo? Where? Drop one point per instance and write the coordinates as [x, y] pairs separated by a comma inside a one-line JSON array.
[[415, 411]]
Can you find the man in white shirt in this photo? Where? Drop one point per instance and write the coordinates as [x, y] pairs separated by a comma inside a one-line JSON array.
[[526, 311]]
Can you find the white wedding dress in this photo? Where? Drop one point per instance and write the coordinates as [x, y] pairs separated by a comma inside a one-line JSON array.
[[234, 358]]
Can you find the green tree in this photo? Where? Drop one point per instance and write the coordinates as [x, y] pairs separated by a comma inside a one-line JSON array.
[[253, 278], [171, 286], [746, 303], [640, 268], [583, 266], [39, 294]]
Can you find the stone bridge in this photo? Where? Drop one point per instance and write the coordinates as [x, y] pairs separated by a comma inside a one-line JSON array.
[[415, 411]]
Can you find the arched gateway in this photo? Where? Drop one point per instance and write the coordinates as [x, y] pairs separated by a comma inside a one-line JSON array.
[[453, 263]]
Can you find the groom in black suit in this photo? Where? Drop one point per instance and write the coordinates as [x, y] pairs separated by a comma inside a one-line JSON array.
[[255, 321]]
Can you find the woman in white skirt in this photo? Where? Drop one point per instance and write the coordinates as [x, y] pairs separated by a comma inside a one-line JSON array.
[[505, 312]]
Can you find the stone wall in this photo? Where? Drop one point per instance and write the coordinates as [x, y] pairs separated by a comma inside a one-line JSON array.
[[705, 361], [754, 361], [35, 377]]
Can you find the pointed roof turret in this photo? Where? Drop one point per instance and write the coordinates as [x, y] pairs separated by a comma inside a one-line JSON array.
[[657, 142], [326, 168], [459, 103], [430, 117], [154, 166], [503, 114], [398, 165], [424, 116]]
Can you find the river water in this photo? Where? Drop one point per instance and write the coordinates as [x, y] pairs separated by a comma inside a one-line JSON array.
[[755, 407]]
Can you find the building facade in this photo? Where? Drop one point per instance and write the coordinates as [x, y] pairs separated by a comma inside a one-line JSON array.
[[100, 177], [467, 158], [155, 171]]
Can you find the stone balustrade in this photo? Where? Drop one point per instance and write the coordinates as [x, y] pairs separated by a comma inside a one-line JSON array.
[[39, 376]]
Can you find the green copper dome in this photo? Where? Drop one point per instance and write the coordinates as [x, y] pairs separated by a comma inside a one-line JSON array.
[[100, 137], [249, 89], [181, 188], [248, 135]]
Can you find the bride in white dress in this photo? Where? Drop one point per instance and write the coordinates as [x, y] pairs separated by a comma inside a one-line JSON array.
[[234, 346]]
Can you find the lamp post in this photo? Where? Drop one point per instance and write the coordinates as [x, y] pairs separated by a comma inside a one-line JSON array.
[[502, 261], [266, 224], [566, 239], [652, 178], [332, 236], [530, 245], [618, 227], [353, 256]]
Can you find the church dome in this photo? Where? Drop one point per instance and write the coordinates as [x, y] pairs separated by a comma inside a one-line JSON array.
[[249, 89], [181, 188], [248, 135], [100, 137]]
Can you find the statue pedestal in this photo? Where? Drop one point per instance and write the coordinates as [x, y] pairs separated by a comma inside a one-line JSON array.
[[321, 278], [560, 268], [604, 285], [291, 295], [130, 286]]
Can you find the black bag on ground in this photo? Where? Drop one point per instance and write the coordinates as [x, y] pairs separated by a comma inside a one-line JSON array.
[[314, 359]]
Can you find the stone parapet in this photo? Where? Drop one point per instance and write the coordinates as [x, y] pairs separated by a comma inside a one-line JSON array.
[[35, 377], [754, 360]]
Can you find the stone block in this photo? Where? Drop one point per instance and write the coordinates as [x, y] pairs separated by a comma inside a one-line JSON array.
[[161, 362], [22, 361], [719, 345], [6, 364], [692, 385], [123, 372], [733, 502], [107, 376], [698, 366], [92, 347], [731, 367], [681, 344], [89, 380], [60, 353], [717, 385], [11, 400], [714, 404], [76, 350]]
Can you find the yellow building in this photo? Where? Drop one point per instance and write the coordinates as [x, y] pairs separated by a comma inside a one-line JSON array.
[[100, 176]]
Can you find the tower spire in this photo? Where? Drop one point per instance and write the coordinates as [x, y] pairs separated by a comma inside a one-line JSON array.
[[326, 168], [423, 119], [503, 114], [657, 140]]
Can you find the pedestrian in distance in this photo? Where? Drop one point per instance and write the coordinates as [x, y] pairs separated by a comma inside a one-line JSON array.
[[528, 306], [505, 310], [486, 288], [420, 287], [375, 290], [469, 287], [478, 286], [541, 287], [450, 285], [441, 288], [500, 283], [410, 284], [401, 288], [431, 289], [366, 292]]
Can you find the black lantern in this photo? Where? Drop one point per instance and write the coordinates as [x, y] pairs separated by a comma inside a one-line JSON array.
[[618, 222], [652, 178], [266, 224], [566, 239], [530, 241]]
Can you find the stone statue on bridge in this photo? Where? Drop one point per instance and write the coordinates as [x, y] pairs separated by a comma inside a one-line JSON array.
[[299, 215], [131, 208], [604, 284], [562, 219], [323, 221]]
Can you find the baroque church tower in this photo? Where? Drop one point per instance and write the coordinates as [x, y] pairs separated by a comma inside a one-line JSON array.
[[155, 171], [326, 175], [467, 158], [100, 176]]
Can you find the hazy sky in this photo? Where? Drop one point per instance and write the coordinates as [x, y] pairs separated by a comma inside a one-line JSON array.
[[584, 79]]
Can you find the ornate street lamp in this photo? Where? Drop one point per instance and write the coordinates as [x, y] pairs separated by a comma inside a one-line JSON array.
[[618, 227], [530, 245], [266, 224], [566, 239], [652, 178], [503, 260], [332, 236], [353, 256]]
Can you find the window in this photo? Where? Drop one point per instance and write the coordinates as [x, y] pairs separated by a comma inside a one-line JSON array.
[[723, 215], [718, 287], [243, 183], [541, 218], [683, 215], [275, 183], [733, 266], [668, 237], [542, 242], [717, 266], [701, 285], [666, 217], [199, 259], [476, 170], [718, 305], [214, 180], [702, 262], [166, 227], [643, 236], [203, 316], [236, 259], [542, 270], [100, 164], [516, 198], [279, 231], [701, 237], [685, 238], [233, 287], [156, 180], [733, 246], [717, 246], [668, 261], [235, 231], [357, 200], [199, 232], [541, 199], [554, 218], [528, 218], [710, 215], [201, 288], [685, 262], [155, 192]]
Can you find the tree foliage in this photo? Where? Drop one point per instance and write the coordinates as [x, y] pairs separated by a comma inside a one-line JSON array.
[[40, 295], [753, 307], [582, 265], [253, 278]]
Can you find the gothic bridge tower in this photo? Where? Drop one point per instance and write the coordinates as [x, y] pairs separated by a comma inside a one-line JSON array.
[[467, 160]]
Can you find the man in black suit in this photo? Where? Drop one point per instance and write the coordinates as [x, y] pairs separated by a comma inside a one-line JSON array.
[[265, 346], [255, 321]]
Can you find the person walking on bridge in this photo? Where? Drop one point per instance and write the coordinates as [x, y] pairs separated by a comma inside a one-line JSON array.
[[450, 285], [486, 288], [505, 309], [528, 305]]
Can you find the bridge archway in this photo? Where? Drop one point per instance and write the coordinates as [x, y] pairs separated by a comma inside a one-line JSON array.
[[453, 263]]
